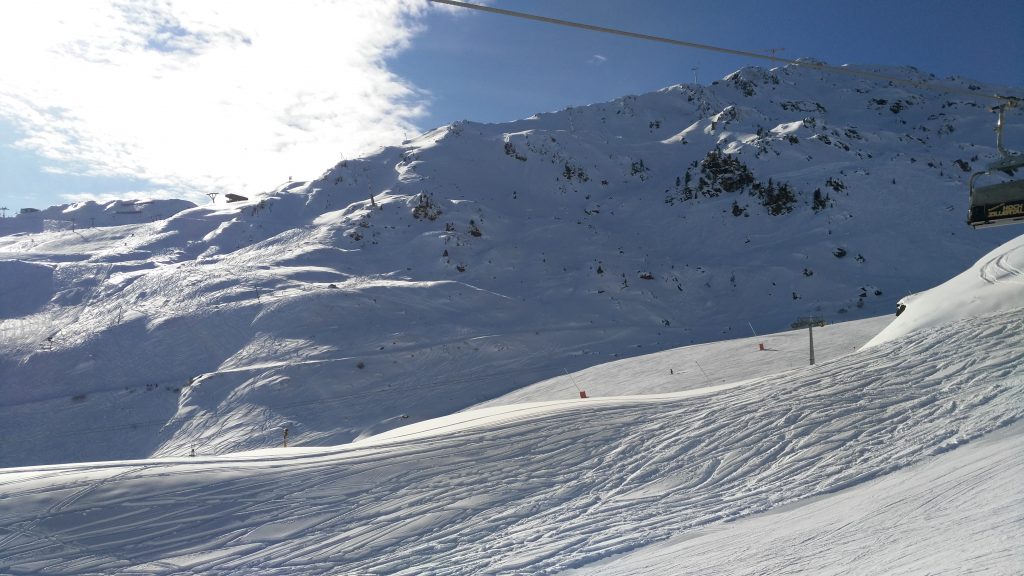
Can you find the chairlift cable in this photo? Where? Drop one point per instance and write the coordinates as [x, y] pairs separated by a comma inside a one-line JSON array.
[[802, 63]]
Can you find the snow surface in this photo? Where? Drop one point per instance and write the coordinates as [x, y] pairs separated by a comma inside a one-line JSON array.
[[959, 513], [490, 257], [703, 365], [868, 463], [994, 285]]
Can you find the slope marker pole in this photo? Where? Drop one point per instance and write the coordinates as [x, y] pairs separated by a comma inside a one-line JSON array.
[[706, 379], [760, 345], [583, 393]]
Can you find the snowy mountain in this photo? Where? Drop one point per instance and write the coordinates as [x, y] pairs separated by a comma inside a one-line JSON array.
[[902, 458], [477, 259]]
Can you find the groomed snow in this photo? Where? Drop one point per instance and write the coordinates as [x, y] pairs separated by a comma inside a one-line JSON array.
[[954, 514], [922, 429]]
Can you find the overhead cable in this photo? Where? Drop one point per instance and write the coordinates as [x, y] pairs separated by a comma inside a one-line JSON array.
[[802, 63]]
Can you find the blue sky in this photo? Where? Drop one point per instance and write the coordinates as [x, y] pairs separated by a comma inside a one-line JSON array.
[[495, 68], [178, 97]]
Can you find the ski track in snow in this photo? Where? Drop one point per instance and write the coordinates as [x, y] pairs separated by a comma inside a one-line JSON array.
[[1005, 267], [534, 489]]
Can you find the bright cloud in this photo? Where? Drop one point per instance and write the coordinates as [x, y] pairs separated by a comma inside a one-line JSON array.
[[200, 96]]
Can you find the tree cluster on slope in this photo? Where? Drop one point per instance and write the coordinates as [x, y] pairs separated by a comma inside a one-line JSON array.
[[777, 198], [571, 172], [720, 173], [820, 202], [510, 150], [426, 208]]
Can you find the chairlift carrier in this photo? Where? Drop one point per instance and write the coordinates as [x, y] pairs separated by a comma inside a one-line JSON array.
[[1003, 202]]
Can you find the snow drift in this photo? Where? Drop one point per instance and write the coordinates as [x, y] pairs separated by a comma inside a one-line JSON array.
[[993, 286]]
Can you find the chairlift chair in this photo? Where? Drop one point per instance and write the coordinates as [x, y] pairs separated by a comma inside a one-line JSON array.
[[1003, 202]]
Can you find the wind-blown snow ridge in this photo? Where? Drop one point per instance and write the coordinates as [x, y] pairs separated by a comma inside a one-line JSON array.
[[533, 489], [995, 284]]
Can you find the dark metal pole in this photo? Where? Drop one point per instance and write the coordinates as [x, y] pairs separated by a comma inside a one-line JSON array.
[[810, 322], [810, 334]]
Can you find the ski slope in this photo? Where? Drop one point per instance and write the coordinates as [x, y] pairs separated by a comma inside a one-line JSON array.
[[954, 514], [703, 365], [871, 462]]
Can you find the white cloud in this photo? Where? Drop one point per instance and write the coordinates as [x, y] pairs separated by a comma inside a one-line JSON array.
[[200, 96], [127, 195], [598, 59]]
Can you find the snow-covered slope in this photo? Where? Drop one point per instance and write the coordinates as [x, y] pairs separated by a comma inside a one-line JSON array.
[[477, 259], [992, 286], [703, 365], [544, 487], [953, 514]]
